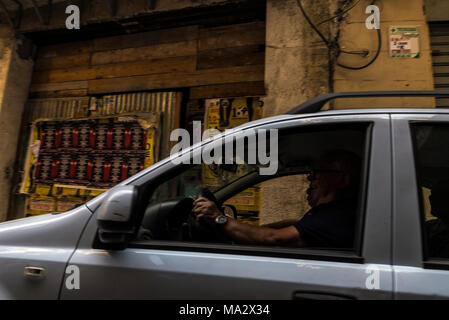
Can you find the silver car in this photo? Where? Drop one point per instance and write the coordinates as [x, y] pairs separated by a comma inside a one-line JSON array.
[[140, 239]]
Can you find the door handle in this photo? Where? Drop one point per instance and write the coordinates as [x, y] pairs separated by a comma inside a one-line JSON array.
[[34, 272], [312, 295]]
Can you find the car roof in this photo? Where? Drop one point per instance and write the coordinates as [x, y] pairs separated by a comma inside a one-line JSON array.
[[343, 112]]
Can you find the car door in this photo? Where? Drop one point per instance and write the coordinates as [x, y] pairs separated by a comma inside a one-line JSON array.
[[178, 270], [421, 164], [34, 253]]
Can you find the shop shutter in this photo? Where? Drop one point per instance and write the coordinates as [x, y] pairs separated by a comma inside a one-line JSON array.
[[439, 38]]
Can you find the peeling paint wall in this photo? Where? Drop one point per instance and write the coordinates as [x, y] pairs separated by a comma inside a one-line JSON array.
[[15, 77], [296, 69]]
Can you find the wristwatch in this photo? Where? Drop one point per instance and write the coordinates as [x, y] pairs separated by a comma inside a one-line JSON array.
[[221, 220]]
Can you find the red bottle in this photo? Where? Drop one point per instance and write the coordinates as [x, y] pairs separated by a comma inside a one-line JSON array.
[[73, 167], [90, 170], [125, 169], [109, 138], [54, 169], [75, 137], [58, 137], [92, 137], [37, 173], [107, 171], [127, 138]]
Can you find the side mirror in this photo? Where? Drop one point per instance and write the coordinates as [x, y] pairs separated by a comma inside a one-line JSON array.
[[114, 216]]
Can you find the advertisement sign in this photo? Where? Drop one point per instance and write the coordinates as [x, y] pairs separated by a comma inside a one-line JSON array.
[[404, 42]]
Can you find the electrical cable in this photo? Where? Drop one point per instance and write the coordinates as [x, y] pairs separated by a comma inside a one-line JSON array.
[[333, 45], [379, 46], [339, 14], [312, 25]]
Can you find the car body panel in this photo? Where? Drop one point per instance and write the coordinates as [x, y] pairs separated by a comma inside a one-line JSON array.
[[412, 279], [45, 242]]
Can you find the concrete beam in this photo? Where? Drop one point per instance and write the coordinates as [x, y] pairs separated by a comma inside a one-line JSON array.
[[98, 11], [15, 78]]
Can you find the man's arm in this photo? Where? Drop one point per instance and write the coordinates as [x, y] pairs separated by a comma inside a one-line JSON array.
[[281, 224], [244, 233], [248, 234]]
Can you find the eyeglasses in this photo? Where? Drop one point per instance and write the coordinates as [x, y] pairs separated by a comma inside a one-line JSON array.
[[313, 172]]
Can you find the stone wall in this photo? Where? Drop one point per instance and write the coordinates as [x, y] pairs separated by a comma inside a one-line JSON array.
[[296, 69]]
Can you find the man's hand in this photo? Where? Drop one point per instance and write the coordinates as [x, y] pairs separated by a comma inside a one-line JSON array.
[[206, 211]]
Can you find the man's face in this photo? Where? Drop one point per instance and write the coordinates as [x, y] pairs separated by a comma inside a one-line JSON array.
[[324, 183]]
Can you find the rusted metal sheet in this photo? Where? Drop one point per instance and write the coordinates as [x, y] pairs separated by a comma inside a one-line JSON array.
[[56, 109]]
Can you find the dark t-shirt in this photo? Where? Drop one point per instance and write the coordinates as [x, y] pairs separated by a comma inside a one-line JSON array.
[[437, 238], [329, 225]]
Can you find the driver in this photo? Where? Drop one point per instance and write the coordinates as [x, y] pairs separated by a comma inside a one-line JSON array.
[[332, 194]]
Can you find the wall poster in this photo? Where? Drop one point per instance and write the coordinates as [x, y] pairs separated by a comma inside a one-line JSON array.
[[225, 114], [70, 162]]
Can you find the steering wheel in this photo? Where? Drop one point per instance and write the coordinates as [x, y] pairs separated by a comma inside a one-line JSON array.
[[174, 219], [199, 232]]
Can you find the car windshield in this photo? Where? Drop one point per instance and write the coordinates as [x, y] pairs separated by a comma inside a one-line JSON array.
[[214, 177]]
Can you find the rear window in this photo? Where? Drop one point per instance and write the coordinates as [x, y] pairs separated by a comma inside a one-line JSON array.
[[432, 164]]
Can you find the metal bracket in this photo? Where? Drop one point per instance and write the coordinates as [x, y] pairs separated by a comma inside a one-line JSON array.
[[43, 18], [13, 21]]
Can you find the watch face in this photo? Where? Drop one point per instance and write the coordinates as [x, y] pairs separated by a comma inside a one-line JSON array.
[[221, 219]]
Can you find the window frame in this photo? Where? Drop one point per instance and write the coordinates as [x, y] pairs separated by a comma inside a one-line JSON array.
[[334, 255], [427, 261]]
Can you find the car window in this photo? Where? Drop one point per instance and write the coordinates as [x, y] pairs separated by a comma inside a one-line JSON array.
[[248, 202], [277, 200], [431, 144]]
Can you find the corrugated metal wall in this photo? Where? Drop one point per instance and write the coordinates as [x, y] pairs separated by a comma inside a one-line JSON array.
[[439, 39], [57, 109]]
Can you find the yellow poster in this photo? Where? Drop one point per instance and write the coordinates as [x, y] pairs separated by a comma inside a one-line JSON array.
[[40, 205], [239, 112], [213, 114], [225, 114], [150, 148]]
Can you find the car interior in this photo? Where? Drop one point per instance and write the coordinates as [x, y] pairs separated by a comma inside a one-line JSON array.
[[168, 213]]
